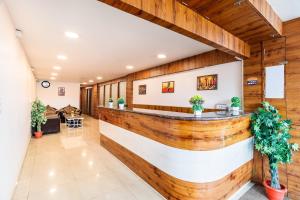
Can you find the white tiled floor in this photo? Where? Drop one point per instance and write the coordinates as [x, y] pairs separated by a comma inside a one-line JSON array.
[[72, 165]]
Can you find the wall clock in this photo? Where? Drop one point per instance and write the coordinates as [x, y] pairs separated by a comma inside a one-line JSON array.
[[45, 84]]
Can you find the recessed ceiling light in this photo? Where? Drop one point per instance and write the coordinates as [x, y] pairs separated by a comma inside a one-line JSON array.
[[161, 56], [54, 74], [52, 78], [57, 67], [129, 67], [99, 77], [71, 35], [84, 83], [62, 57], [91, 81]]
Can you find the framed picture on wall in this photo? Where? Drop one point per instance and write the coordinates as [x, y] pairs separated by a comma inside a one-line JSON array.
[[142, 89], [61, 91], [168, 87], [207, 82]]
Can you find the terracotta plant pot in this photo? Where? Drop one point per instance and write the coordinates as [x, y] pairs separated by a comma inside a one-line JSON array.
[[274, 194], [38, 134]]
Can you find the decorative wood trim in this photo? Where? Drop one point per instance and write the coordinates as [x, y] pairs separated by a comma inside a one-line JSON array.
[[171, 108], [189, 135], [174, 16], [173, 188]]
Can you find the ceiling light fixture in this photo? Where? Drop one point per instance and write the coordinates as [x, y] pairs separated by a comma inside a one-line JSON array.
[[99, 77], [71, 35], [62, 57], [84, 83], [91, 81], [54, 74], [57, 67], [161, 56], [129, 67]]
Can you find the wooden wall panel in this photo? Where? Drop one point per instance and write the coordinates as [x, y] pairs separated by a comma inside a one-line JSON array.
[[175, 189], [207, 59], [95, 101], [292, 33], [83, 100], [129, 90], [274, 52], [253, 68], [175, 16]]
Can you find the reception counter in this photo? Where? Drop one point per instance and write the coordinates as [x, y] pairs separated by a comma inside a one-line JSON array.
[[182, 156]]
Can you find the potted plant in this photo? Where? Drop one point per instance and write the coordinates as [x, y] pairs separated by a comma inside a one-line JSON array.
[[121, 103], [235, 105], [197, 104], [271, 138], [110, 103], [38, 117]]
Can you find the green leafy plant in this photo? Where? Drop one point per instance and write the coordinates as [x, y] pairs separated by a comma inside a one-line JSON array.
[[110, 100], [38, 114], [197, 103], [235, 102], [271, 138], [121, 100]]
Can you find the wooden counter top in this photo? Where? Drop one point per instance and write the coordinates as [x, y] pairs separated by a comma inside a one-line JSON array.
[[206, 116], [180, 130]]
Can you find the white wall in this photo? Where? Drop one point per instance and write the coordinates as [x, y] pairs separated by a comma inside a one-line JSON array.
[[229, 85], [17, 86], [49, 96]]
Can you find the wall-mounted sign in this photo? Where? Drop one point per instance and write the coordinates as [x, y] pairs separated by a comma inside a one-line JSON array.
[[168, 87], [208, 82], [252, 81], [142, 89]]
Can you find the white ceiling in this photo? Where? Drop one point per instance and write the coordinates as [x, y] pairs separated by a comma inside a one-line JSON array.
[[109, 39], [286, 9]]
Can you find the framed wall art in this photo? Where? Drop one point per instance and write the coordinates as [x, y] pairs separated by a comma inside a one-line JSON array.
[[142, 89], [61, 91], [207, 82], [168, 87]]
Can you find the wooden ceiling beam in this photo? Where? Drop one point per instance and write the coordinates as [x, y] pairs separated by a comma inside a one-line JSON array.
[[252, 21], [264, 9], [175, 16]]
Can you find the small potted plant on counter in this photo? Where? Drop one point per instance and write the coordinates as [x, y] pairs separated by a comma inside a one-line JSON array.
[[38, 117], [235, 105], [271, 138], [121, 103], [197, 104], [110, 103]]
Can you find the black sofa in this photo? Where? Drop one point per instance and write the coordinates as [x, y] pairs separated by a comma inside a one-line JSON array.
[[52, 125]]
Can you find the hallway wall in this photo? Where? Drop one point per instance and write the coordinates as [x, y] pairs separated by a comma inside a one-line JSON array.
[[17, 86], [49, 96]]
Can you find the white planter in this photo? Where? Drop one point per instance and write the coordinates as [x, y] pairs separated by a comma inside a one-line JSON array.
[[110, 104], [121, 106], [235, 111], [197, 113], [235, 108]]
